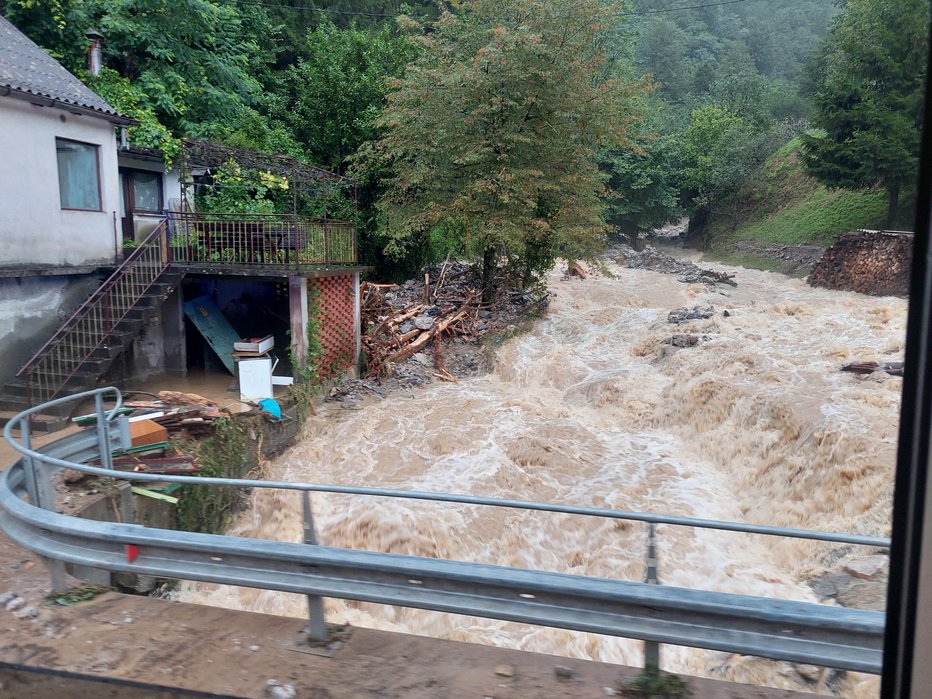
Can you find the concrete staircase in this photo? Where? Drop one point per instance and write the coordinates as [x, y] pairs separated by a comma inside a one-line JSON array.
[[81, 351]]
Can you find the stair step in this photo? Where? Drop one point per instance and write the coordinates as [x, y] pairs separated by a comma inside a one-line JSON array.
[[18, 405], [40, 422], [80, 381]]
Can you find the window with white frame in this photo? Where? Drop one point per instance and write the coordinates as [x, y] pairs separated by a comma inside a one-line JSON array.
[[78, 175]]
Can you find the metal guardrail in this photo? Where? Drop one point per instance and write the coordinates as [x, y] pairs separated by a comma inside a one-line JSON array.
[[779, 629]]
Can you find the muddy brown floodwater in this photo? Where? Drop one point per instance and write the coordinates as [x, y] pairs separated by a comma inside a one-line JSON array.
[[755, 424]]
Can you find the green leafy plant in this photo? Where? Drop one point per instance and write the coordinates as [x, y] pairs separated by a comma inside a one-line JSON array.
[[654, 684], [72, 596]]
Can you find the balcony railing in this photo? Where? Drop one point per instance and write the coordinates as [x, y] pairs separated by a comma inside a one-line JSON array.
[[259, 240]]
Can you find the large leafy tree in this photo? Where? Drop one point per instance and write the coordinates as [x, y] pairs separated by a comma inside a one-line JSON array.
[[330, 100], [718, 150], [496, 128], [869, 89]]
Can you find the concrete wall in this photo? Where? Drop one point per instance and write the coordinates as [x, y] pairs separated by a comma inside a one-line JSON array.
[[31, 309], [34, 230]]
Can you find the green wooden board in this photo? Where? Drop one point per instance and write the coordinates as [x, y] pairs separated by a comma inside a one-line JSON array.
[[215, 328]]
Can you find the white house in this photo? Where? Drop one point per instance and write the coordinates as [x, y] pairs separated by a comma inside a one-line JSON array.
[[72, 191], [59, 182], [59, 193]]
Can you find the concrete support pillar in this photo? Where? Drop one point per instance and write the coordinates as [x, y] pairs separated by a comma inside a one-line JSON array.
[[173, 335], [297, 305]]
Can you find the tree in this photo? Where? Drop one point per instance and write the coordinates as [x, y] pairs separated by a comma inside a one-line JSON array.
[[869, 95], [330, 100], [496, 127], [642, 184], [718, 150]]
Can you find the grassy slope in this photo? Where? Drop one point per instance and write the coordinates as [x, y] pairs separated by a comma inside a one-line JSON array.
[[780, 204]]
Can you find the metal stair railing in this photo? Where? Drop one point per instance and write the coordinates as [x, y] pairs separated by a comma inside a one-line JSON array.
[[803, 632], [89, 327]]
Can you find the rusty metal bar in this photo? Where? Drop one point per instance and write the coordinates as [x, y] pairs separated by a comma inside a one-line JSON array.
[[57, 361], [273, 240]]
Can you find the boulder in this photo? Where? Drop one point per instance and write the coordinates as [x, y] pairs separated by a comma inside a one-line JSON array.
[[869, 568]]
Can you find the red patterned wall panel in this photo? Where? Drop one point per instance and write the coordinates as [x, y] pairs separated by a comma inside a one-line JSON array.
[[336, 304]]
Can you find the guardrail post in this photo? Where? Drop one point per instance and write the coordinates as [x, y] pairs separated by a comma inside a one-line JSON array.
[[317, 626], [103, 433], [651, 648], [42, 494]]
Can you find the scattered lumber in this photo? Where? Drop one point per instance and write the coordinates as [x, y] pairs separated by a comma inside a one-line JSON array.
[[178, 398], [165, 465], [404, 332], [441, 304]]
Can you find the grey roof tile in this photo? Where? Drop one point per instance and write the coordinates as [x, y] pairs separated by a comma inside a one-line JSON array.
[[26, 67]]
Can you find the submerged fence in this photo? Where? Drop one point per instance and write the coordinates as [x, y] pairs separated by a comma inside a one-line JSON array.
[[802, 632]]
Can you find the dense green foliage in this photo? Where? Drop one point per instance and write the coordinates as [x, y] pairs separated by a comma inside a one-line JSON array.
[[870, 81], [496, 126], [781, 203], [330, 99], [497, 143]]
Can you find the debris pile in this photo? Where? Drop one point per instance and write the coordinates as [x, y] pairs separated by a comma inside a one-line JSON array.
[[653, 259], [151, 422], [419, 330], [892, 368], [681, 316], [869, 262], [178, 412]]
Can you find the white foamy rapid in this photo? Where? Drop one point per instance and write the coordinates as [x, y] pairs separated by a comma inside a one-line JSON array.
[[755, 424]]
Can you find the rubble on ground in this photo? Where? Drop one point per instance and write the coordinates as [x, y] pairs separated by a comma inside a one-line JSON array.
[[651, 258], [681, 316], [430, 327], [152, 422]]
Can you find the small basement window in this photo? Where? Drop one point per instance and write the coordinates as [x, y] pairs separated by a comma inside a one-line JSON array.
[[78, 175]]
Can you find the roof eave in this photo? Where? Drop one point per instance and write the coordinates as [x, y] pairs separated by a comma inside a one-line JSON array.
[[44, 101]]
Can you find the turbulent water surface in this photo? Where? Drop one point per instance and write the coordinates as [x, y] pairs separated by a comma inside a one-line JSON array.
[[755, 424]]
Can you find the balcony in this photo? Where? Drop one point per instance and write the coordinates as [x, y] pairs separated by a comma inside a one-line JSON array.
[[237, 243]]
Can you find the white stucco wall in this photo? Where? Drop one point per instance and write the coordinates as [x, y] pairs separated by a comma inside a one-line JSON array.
[[34, 230]]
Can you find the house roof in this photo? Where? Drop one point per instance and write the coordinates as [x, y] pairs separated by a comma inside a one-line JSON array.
[[26, 69]]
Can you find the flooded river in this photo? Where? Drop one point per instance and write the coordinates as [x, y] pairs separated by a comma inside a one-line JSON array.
[[590, 407]]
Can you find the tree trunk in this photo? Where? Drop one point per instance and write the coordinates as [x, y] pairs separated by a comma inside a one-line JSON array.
[[489, 267], [893, 203], [695, 232]]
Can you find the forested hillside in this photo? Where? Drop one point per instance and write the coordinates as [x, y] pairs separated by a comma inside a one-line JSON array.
[[678, 105]]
